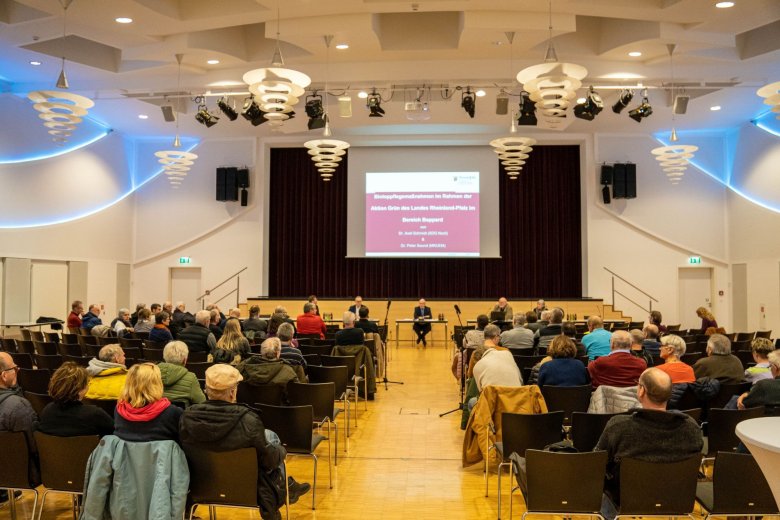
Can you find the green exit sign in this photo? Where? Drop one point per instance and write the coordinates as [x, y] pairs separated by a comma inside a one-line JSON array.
[[693, 260], [185, 260]]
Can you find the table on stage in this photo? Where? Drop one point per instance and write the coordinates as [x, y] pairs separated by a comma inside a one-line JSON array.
[[411, 321], [760, 437]]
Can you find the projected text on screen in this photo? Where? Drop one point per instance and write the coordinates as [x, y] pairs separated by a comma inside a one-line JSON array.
[[422, 214]]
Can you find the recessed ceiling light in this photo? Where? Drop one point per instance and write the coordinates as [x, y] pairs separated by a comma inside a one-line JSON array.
[[213, 62], [143, 116], [480, 93], [362, 94], [634, 54], [35, 62], [724, 5], [123, 19], [715, 108], [342, 46], [581, 100]]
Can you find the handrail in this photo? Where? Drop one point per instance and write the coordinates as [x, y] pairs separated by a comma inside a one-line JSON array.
[[632, 301], [208, 292], [228, 294], [613, 273]]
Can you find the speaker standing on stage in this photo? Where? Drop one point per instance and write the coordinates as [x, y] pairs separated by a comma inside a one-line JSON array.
[[422, 312]]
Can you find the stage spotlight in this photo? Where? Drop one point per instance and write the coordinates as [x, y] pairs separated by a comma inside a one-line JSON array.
[[315, 112], [527, 111], [468, 102], [374, 104], [642, 111], [589, 108], [227, 109], [252, 112], [205, 117], [625, 98]]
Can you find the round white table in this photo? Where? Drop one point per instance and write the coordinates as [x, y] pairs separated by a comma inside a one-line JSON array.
[[762, 437]]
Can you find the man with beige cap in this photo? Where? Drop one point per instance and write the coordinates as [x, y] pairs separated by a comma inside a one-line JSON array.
[[220, 424]]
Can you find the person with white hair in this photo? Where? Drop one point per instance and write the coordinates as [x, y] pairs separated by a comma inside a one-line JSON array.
[[720, 363], [268, 367], [179, 384], [197, 336], [121, 324], [519, 337], [107, 373], [349, 335]]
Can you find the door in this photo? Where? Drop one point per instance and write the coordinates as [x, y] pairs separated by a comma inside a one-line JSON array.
[[49, 290], [184, 283], [739, 290], [695, 290]]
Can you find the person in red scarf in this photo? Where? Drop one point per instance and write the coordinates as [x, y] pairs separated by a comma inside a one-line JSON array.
[[142, 413]]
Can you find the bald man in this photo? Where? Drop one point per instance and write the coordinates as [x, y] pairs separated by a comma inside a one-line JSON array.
[[16, 412], [620, 367]]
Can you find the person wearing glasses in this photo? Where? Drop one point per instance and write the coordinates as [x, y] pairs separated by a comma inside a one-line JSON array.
[[672, 349], [16, 413]]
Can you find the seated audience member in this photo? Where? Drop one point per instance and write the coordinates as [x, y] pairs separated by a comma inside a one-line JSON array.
[[134, 316], [16, 413], [650, 433], [364, 323], [597, 340], [618, 368], [313, 299], [257, 326], [232, 347], [91, 318], [107, 373], [637, 338], [197, 336], [656, 319], [544, 335], [179, 384], [268, 367], [672, 349], [355, 307], [720, 363], [765, 392], [142, 413], [155, 308], [168, 307], [761, 347], [651, 344], [74, 318], [564, 369], [476, 337], [532, 321], [500, 366], [518, 337], [180, 319], [421, 313], [707, 320], [290, 354], [503, 307], [67, 416], [160, 332], [144, 323], [309, 322], [350, 335], [121, 324], [215, 323], [219, 424], [277, 318], [540, 307]]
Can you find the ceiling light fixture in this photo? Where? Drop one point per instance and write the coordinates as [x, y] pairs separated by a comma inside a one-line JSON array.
[[251, 112], [143, 116], [480, 93], [277, 88], [643, 110], [512, 152], [123, 19], [315, 111], [176, 163], [362, 94], [527, 111], [418, 110], [724, 5], [228, 109], [589, 108], [626, 95], [345, 106], [62, 80], [62, 111], [715, 108], [468, 102], [204, 117], [635, 54], [35, 63], [552, 84], [213, 62], [374, 104], [771, 95], [342, 46]]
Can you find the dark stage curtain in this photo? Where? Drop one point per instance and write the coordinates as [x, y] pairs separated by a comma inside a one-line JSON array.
[[541, 254]]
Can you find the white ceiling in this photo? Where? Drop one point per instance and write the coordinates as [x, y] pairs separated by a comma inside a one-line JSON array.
[[393, 44]]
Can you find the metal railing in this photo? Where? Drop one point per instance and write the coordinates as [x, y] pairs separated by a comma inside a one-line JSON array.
[[616, 292], [202, 297]]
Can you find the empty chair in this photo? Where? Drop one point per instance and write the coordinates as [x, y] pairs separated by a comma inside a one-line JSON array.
[[693, 413], [745, 336], [586, 429], [726, 392], [22, 360], [45, 348], [53, 337], [36, 335], [8, 344], [293, 425], [321, 397], [34, 380], [328, 342], [689, 358], [197, 357], [63, 462], [673, 328], [740, 345], [38, 400], [264, 394], [48, 362], [563, 483], [199, 369], [79, 360], [322, 350], [339, 376], [141, 335], [25, 346], [132, 352], [745, 356], [107, 340], [636, 324], [127, 343], [764, 334], [70, 338], [738, 487], [526, 361], [15, 461], [92, 350], [721, 428], [153, 354], [26, 334], [307, 336], [355, 380], [312, 359], [69, 349], [152, 345], [569, 399]]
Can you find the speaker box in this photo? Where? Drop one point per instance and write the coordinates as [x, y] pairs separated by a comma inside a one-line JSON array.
[[227, 189], [168, 113], [680, 104], [242, 178], [244, 197], [630, 181], [221, 184], [502, 106], [606, 174], [619, 181], [605, 195]]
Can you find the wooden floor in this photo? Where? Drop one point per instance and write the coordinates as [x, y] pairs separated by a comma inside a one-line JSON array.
[[403, 460]]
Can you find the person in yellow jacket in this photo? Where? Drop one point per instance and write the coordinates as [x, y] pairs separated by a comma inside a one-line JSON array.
[[107, 373]]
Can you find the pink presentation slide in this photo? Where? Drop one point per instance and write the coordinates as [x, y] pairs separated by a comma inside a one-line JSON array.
[[422, 214]]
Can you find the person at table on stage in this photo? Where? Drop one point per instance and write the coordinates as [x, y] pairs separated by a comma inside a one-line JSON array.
[[421, 313], [503, 306], [313, 299], [309, 322], [364, 323], [355, 308], [540, 307]]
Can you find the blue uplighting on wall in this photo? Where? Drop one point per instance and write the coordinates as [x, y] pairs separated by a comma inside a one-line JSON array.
[[768, 122], [60, 150]]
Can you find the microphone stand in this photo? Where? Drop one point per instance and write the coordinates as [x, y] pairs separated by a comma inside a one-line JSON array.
[[461, 404], [384, 379]]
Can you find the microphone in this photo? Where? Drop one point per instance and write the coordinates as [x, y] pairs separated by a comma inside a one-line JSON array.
[[457, 309]]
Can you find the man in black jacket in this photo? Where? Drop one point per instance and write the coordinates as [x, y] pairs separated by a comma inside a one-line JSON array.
[[197, 336], [220, 424]]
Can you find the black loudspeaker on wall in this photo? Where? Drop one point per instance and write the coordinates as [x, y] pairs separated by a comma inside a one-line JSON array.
[[229, 180], [606, 174], [605, 195], [623, 181]]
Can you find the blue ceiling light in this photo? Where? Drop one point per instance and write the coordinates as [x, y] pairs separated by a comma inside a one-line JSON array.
[[60, 150], [768, 122]]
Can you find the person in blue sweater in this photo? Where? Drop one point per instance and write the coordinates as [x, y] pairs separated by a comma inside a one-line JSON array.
[[597, 341], [564, 369]]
